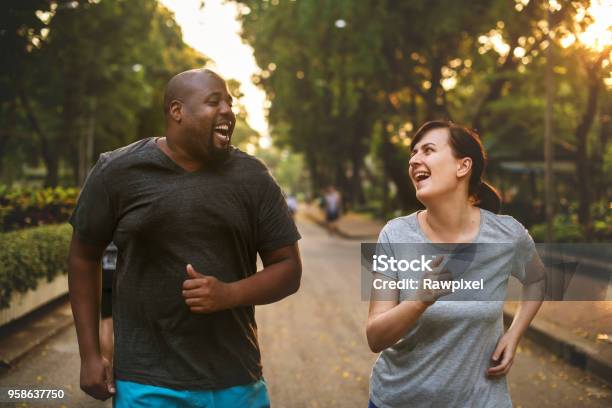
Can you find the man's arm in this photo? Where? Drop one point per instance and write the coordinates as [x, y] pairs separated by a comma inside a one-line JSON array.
[[279, 278], [84, 282]]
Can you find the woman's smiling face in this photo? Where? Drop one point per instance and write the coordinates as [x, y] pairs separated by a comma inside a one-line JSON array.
[[434, 170]]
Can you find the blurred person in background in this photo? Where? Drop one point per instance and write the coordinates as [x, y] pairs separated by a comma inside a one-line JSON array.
[[109, 264], [292, 204], [333, 208]]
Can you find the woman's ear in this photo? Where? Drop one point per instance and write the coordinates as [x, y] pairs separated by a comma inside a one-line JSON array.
[[464, 165]]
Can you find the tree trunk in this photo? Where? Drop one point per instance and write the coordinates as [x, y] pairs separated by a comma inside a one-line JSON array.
[[396, 167], [315, 180], [5, 134], [495, 90], [601, 189], [48, 151], [356, 187], [582, 162], [434, 108]]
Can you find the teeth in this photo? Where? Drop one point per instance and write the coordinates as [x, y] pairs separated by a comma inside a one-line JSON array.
[[222, 127], [420, 175]]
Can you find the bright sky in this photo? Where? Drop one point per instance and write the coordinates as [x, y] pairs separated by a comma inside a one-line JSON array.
[[214, 31]]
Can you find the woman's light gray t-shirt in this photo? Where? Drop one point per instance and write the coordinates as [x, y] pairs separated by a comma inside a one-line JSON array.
[[442, 361]]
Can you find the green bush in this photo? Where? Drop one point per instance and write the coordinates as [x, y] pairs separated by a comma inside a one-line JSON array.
[[30, 254], [565, 229], [30, 207], [602, 220]]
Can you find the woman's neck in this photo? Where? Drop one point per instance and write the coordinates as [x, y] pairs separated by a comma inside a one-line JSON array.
[[451, 220]]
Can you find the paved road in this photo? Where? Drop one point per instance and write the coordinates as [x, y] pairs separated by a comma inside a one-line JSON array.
[[314, 349]]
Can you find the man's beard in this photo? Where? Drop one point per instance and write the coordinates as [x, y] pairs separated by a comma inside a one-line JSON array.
[[217, 155]]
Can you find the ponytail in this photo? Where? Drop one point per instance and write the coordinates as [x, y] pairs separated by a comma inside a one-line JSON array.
[[488, 198]]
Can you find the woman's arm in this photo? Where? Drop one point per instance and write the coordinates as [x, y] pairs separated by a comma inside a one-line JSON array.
[[506, 347], [524, 315], [532, 296], [389, 320]]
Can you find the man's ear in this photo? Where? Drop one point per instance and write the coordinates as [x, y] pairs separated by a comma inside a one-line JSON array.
[[176, 110], [464, 165]]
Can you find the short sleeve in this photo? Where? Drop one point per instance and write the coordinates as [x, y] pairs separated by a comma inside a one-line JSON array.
[[275, 226], [384, 247], [93, 217], [523, 253]]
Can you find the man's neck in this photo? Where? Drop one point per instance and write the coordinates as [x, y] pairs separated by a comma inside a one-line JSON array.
[[178, 155]]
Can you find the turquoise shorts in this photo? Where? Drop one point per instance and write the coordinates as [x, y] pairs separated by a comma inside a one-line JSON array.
[[134, 395]]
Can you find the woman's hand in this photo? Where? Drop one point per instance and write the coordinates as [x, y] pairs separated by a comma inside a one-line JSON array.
[[503, 355], [437, 275]]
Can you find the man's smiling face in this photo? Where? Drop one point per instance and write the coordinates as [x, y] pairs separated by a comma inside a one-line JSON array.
[[207, 118]]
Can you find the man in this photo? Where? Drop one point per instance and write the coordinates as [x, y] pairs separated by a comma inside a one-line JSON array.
[[188, 213]]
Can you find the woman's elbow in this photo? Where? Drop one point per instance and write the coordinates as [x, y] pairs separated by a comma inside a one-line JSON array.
[[373, 341]]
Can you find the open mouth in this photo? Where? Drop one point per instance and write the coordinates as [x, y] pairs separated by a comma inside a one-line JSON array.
[[222, 132], [421, 175]]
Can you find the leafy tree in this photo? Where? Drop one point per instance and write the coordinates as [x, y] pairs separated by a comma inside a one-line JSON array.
[[87, 76], [344, 76]]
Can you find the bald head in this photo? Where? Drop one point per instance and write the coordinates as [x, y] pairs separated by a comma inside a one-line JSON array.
[[182, 85]]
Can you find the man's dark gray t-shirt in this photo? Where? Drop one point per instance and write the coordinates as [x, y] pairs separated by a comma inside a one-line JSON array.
[[162, 218]]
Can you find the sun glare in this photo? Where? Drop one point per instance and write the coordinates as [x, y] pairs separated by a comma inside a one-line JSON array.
[[215, 31], [598, 35]]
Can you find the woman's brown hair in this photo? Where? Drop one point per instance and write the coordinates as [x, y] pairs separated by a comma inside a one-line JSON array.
[[466, 143]]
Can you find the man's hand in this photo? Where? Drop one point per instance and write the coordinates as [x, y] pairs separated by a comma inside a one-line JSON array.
[[97, 378], [206, 294]]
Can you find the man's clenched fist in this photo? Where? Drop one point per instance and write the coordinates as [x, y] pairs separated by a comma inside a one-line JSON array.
[[206, 294]]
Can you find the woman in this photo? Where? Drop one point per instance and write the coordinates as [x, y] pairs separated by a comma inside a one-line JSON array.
[[437, 353]]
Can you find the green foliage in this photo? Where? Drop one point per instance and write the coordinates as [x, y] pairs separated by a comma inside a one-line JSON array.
[[567, 228], [31, 254], [27, 207], [607, 165], [80, 73], [288, 169], [602, 216], [339, 75]]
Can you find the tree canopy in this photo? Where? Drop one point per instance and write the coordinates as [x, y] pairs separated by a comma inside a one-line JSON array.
[[350, 81], [82, 77]]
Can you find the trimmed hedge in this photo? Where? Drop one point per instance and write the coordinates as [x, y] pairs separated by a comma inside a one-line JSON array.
[[30, 254]]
